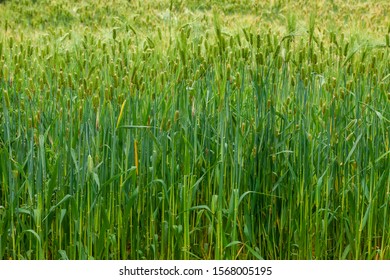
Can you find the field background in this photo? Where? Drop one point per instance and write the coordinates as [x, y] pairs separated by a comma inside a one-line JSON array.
[[194, 129]]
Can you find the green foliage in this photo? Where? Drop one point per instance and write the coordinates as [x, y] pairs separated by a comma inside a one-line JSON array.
[[166, 131]]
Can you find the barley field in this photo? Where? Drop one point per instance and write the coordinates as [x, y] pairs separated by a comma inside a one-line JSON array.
[[191, 129]]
